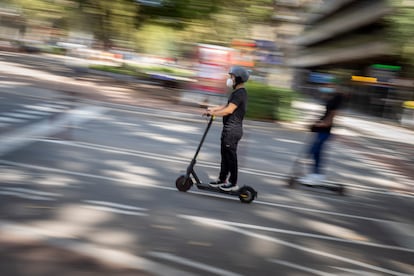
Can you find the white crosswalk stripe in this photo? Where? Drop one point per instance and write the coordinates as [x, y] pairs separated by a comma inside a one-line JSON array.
[[20, 115], [42, 108], [11, 120], [54, 105], [35, 112], [27, 112]]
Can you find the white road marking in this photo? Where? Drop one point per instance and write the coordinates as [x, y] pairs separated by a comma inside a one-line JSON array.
[[54, 105], [214, 223], [300, 267], [114, 210], [102, 254], [30, 191], [28, 166], [26, 196], [192, 264], [42, 108], [20, 137], [35, 112], [205, 164], [11, 120], [309, 235], [318, 211], [116, 205], [20, 115], [289, 141], [355, 272]]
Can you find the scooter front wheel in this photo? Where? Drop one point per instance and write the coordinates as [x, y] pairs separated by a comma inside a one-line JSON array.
[[247, 194], [183, 183]]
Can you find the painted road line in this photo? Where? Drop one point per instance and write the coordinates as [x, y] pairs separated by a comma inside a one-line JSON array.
[[30, 191], [34, 112], [23, 136], [115, 208], [102, 254], [205, 164], [190, 263], [301, 268], [355, 272], [309, 235], [11, 120], [117, 180], [116, 205], [21, 115], [42, 108], [28, 194], [54, 105], [336, 257]]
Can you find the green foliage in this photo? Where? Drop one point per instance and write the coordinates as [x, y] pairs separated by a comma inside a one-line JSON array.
[[401, 31], [126, 70], [269, 103], [156, 40], [127, 23], [141, 71]]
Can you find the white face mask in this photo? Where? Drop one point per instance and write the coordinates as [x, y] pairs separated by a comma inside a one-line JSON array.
[[229, 83]]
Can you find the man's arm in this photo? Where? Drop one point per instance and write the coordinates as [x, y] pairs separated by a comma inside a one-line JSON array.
[[222, 110]]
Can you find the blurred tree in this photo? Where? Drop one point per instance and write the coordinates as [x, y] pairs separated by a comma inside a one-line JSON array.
[[42, 11], [117, 22], [401, 33], [109, 21], [216, 21]]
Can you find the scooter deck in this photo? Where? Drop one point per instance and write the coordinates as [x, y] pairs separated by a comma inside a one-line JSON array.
[[204, 186], [324, 186]]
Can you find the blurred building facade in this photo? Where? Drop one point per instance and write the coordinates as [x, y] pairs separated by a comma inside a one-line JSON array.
[[287, 23], [11, 26], [348, 38]]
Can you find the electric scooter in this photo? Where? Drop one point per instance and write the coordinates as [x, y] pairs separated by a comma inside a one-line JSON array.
[[184, 182], [298, 171]]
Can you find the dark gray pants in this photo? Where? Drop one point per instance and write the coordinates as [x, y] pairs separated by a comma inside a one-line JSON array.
[[229, 165]]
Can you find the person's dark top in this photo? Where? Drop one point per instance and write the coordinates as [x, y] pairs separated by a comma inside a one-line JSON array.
[[235, 120], [332, 104]]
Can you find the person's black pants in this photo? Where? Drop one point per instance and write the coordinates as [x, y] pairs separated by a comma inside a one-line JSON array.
[[229, 142]]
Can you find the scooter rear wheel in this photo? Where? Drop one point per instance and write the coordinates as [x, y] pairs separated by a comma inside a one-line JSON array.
[[247, 194], [183, 183]]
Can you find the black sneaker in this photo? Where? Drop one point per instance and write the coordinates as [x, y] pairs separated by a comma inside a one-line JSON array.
[[229, 187], [217, 183]]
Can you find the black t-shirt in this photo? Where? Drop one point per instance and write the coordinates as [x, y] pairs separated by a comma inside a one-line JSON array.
[[235, 120], [332, 104]]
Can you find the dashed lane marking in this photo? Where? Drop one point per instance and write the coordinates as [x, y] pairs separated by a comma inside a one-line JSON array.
[[28, 194], [115, 208], [168, 158], [301, 267], [23, 136], [215, 223], [193, 264], [102, 254]]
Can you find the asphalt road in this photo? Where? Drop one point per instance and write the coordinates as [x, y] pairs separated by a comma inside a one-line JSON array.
[[105, 188]]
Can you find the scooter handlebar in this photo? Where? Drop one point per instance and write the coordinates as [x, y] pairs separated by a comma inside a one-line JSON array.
[[209, 115]]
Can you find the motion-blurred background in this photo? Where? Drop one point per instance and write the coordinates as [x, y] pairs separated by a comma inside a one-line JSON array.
[[291, 47]]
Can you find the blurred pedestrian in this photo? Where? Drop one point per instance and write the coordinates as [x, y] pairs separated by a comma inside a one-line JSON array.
[[334, 98], [233, 114]]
